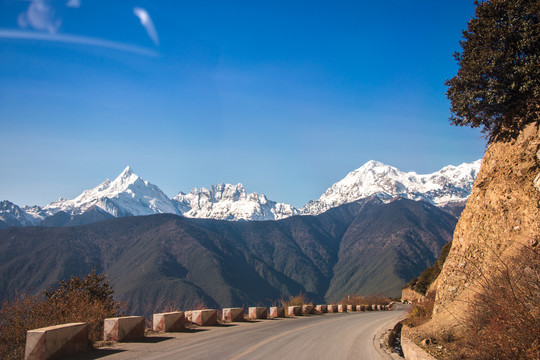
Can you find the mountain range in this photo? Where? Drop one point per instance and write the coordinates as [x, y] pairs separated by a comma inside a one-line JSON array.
[[157, 262], [130, 195]]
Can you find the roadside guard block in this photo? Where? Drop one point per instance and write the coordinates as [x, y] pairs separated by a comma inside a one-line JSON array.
[[351, 307], [360, 308], [171, 321], [277, 312], [373, 307], [308, 309], [258, 313], [294, 311], [342, 308], [332, 308], [123, 328], [204, 317], [233, 314], [321, 308], [56, 341]]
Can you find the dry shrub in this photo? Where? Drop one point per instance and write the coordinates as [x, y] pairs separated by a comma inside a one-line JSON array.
[[298, 300], [504, 321], [353, 300], [200, 305], [421, 311], [76, 300], [364, 300], [377, 300]]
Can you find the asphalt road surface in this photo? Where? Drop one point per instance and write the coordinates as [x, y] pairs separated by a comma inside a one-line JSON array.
[[329, 336]]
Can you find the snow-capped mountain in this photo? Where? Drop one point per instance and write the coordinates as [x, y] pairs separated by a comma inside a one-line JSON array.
[[230, 202], [13, 215], [450, 184], [130, 195], [127, 195]]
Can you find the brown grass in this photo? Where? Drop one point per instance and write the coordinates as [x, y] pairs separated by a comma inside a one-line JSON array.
[[504, 317], [421, 312], [298, 300], [364, 300]]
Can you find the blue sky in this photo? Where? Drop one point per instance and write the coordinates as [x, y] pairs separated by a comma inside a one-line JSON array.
[[286, 97]]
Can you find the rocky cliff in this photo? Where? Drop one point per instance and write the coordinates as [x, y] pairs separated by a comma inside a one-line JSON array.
[[501, 216]]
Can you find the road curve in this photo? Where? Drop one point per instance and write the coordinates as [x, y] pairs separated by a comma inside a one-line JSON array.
[[328, 336]]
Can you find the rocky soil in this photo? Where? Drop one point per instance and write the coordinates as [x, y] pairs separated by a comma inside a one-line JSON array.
[[501, 216]]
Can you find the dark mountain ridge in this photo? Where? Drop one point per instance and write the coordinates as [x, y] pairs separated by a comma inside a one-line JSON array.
[[166, 260]]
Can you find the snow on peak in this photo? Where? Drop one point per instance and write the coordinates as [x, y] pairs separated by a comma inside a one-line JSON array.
[[127, 195], [13, 215], [450, 184], [230, 202], [130, 195]]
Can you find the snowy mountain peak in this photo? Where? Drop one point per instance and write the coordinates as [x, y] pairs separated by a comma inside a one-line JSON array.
[[372, 164], [126, 175], [230, 202], [13, 215], [128, 194], [450, 184]]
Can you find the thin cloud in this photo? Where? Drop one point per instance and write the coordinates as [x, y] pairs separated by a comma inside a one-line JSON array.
[[40, 15], [147, 23], [74, 3], [73, 39]]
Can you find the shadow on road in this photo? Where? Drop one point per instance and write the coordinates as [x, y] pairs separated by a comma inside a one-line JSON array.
[[151, 339]]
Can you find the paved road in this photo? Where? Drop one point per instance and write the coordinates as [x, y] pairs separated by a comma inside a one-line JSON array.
[[328, 336]]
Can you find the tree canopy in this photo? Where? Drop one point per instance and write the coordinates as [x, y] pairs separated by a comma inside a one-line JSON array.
[[497, 86]]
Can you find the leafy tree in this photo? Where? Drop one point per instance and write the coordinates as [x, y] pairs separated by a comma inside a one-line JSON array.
[[497, 86]]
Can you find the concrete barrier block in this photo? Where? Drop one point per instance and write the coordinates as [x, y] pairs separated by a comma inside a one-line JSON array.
[[351, 307], [342, 308], [322, 308], [359, 307], [294, 311], [204, 317], [332, 308], [308, 309], [56, 341], [373, 307], [277, 312], [171, 321], [411, 351], [123, 328], [233, 314], [258, 313]]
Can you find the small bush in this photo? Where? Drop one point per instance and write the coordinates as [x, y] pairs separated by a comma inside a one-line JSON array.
[[421, 312], [298, 300], [76, 300]]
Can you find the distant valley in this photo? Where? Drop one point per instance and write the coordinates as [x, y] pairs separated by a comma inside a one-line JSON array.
[[368, 246]]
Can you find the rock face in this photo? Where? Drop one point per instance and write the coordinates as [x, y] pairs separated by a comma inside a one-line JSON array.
[[502, 215]]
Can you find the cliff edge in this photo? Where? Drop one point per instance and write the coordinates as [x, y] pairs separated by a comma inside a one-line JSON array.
[[501, 216]]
